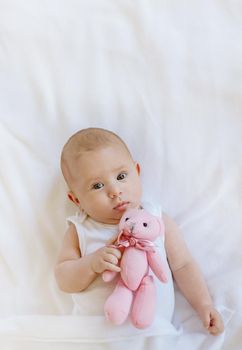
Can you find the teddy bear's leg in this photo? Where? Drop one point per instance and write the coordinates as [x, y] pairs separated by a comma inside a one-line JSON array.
[[118, 304], [143, 309]]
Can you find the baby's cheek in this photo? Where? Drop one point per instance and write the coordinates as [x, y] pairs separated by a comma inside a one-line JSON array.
[[137, 192]]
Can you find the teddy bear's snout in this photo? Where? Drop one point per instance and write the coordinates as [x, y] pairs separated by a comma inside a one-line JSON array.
[[131, 226]]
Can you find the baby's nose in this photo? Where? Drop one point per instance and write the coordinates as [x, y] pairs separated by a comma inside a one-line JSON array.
[[114, 192]]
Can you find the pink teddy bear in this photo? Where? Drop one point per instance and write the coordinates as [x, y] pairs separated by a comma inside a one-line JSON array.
[[135, 292]]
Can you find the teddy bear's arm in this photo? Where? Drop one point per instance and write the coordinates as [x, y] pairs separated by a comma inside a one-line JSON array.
[[157, 266]]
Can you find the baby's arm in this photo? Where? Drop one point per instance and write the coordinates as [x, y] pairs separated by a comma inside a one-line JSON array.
[[73, 272], [189, 278]]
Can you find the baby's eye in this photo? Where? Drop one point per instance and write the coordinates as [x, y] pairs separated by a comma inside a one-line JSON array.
[[98, 186], [145, 224], [126, 219], [122, 176]]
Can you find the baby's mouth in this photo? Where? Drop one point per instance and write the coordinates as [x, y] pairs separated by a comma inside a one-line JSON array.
[[121, 206]]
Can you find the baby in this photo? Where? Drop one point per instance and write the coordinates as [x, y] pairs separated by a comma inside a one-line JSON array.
[[104, 181]]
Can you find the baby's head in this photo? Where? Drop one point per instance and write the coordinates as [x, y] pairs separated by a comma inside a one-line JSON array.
[[101, 174]]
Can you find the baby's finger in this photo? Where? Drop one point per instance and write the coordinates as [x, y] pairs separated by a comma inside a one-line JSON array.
[[111, 259], [114, 252], [111, 267], [206, 320], [218, 324], [213, 330]]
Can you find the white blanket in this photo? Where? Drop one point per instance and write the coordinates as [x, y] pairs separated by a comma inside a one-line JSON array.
[[167, 77]]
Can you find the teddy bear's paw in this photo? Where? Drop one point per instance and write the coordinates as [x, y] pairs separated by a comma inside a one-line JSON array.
[[118, 304], [117, 317]]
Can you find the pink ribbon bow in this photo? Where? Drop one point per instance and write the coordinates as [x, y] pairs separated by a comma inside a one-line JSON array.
[[125, 240]]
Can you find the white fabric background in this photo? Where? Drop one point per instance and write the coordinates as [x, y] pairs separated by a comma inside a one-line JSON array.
[[167, 77]]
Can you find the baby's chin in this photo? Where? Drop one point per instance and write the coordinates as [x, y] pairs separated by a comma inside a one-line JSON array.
[[112, 220], [115, 214]]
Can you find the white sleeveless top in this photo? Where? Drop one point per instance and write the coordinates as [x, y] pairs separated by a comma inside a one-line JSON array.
[[89, 303]]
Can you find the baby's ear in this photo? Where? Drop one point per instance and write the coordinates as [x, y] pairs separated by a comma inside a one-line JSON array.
[[73, 198], [137, 168]]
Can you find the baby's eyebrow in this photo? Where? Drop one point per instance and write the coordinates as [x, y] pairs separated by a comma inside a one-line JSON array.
[[120, 168], [92, 181]]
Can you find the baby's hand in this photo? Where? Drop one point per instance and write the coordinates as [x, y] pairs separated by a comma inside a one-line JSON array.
[[212, 320], [105, 258]]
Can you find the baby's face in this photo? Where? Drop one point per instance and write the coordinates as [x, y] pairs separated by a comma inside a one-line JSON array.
[[106, 183]]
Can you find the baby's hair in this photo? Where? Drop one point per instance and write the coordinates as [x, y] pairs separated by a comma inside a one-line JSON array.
[[86, 140]]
